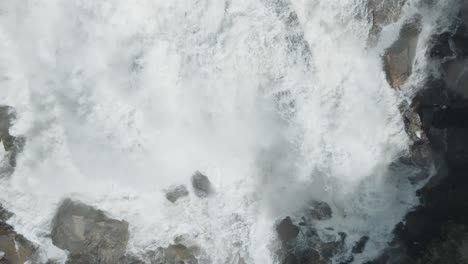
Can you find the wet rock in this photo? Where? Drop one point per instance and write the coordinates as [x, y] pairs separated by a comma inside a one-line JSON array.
[[13, 145], [88, 234], [174, 193], [359, 246], [286, 230], [399, 57], [318, 210], [201, 185], [173, 254], [15, 248], [382, 13]]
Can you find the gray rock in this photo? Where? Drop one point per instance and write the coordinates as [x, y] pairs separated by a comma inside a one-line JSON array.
[[174, 193], [88, 234], [399, 58], [360, 245], [201, 185], [318, 210], [286, 230]]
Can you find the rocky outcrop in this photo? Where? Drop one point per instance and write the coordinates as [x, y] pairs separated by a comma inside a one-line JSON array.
[[435, 232], [14, 248], [176, 192], [399, 58], [201, 185], [382, 13], [301, 243], [88, 234], [12, 145]]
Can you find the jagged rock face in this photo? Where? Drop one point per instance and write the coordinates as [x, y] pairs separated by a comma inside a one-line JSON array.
[[13, 145], [399, 58], [201, 185], [14, 248], [88, 234], [176, 192], [382, 13]]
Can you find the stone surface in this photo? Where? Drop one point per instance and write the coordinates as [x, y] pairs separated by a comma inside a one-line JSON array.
[[318, 210], [88, 234], [399, 57], [176, 192], [13, 145], [173, 254], [382, 13], [15, 248], [359, 246], [201, 185], [286, 230]]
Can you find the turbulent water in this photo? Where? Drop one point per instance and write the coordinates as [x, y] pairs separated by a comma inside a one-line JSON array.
[[277, 102]]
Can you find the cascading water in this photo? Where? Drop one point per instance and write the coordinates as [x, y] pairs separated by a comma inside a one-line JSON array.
[[277, 102]]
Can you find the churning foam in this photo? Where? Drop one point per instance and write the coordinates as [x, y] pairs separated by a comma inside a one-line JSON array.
[[120, 99]]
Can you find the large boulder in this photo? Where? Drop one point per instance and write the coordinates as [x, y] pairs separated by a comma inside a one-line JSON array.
[[177, 253], [201, 185], [88, 234], [399, 57]]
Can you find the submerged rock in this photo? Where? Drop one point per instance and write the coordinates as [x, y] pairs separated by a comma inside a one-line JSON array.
[[318, 210], [201, 185], [88, 234], [399, 57], [12, 145], [173, 254], [174, 193], [382, 13]]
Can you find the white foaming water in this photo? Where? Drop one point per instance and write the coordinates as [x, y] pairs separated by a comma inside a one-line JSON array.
[[119, 100]]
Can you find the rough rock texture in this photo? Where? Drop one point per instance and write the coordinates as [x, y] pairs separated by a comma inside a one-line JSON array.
[[427, 233], [301, 244], [88, 234], [382, 13], [399, 58], [13, 145], [176, 192], [174, 254], [14, 248], [201, 185]]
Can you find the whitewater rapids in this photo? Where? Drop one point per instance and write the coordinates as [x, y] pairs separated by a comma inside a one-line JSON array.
[[119, 100]]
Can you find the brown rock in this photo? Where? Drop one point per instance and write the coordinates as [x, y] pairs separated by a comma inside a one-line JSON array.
[[16, 249], [382, 13], [286, 230], [399, 58]]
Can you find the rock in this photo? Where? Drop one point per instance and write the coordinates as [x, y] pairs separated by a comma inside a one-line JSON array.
[[286, 230], [359, 246], [173, 254], [201, 185], [399, 57], [174, 193], [382, 13], [318, 210], [88, 234], [15, 248], [13, 145]]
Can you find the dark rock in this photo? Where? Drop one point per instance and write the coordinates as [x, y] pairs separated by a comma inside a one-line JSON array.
[[174, 193], [88, 234], [13, 145], [399, 58], [359, 246], [286, 230], [318, 211], [201, 185]]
